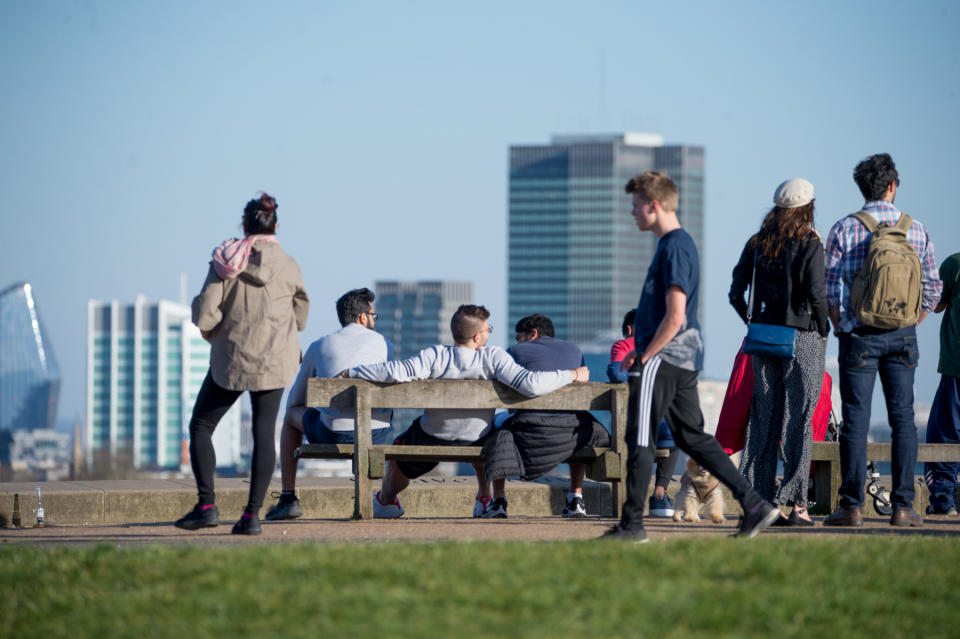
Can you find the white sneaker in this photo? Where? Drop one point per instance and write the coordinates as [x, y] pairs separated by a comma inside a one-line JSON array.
[[575, 508], [480, 505], [393, 510]]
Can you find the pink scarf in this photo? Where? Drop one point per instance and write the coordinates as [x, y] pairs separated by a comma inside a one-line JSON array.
[[231, 258]]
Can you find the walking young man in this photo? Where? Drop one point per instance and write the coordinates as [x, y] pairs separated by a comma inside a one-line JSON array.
[[661, 504], [665, 364], [868, 347]]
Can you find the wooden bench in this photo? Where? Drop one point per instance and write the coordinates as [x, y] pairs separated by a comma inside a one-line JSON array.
[[826, 474], [604, 464]]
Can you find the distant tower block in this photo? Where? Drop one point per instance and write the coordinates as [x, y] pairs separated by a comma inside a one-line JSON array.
[[416, 315], [29, 375], [574, 251], [145, 364]]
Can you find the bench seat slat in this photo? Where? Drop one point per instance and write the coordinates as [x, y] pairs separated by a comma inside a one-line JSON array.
[[883, 452], [420, 453]]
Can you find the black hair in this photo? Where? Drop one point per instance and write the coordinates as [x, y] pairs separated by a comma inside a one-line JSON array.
[[628, 321], [353, 304], [538, 321], [874, 174], [260, 216]]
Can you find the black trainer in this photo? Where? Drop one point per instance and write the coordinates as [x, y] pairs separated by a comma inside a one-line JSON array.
[[247, 526], [757, 520], [636, 535], [199, 518], [285, 510], [496, 510]]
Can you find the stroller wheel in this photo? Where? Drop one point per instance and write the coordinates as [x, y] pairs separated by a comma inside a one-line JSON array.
[[882, 504]]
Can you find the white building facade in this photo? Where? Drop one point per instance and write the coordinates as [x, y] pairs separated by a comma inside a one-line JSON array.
[[145, 364]]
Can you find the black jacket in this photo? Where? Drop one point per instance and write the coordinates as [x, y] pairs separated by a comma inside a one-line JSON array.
[[790, 289]]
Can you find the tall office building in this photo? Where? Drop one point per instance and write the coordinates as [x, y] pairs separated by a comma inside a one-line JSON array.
[[574, 251], [416, 315], [29, 375], [145, 365]]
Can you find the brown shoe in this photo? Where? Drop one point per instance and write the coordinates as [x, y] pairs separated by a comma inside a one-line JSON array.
[[844, 516], [905, 517]]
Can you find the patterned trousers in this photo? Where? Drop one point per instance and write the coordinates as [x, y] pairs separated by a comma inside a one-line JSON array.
[[785, 392]]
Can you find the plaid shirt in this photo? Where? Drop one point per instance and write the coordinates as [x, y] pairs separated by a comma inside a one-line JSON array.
[[847, 247]]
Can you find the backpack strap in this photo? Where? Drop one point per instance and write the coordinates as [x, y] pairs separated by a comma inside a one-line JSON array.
[[904, 222], [867, 220]]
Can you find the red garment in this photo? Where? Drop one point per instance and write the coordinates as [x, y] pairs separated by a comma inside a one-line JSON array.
[[735, 412], [620, 349]]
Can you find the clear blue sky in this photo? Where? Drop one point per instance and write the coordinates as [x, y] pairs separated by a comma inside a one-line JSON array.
[[133, 133]]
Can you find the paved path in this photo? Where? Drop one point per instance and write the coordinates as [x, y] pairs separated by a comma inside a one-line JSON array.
[[425, 530]]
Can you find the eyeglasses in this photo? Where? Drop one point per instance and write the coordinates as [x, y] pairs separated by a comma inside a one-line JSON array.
[[373, 315], [489, 329]]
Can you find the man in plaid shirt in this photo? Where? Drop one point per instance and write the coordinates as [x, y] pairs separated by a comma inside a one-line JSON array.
[[866, 350]]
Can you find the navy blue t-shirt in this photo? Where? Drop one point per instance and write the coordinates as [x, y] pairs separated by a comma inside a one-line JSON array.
[[676, 263], [547, 354]]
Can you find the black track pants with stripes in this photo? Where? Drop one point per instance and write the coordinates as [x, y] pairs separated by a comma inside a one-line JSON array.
[[660, 390]]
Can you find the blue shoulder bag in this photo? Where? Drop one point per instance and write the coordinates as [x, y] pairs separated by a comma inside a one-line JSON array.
[[767, 340]]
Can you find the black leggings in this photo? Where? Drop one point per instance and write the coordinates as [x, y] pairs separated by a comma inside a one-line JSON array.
[[212, 404]]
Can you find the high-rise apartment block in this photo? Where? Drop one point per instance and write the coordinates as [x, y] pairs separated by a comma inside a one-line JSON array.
[[574, 251], [29, 375], [145, 365], [416, 315]]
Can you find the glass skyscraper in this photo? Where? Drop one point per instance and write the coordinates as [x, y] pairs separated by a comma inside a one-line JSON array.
[[29, 375], [574, 252], [416, 315], [145, 365]]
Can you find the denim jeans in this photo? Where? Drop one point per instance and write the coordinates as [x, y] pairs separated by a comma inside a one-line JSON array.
[[894, 355], [943, 427]]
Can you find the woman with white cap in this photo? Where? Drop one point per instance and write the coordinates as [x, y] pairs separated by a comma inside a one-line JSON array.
[[784, 262]]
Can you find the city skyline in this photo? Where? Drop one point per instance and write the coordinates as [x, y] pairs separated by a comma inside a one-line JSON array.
[[136, 133], [574, 252]]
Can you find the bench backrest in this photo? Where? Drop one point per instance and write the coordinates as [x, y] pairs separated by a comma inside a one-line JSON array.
[[442, 393]]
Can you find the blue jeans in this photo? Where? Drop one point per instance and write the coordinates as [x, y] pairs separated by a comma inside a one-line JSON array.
[[943, 427], [317, 433], [894, 355]]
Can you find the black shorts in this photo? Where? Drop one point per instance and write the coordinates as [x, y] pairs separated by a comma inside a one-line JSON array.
[[414, 436]]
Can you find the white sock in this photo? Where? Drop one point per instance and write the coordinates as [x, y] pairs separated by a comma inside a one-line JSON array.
[[571, 495]]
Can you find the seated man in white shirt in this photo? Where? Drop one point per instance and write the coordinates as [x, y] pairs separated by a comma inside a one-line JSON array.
[[354, 344], [468, 358]]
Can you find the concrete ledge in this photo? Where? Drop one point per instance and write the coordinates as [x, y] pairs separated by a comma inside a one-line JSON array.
[[165, 500]]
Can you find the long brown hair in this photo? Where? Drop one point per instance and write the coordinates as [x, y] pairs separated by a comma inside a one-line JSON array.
[[782, 225]]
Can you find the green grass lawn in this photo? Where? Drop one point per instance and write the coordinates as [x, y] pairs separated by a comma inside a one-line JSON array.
[[767, 587]]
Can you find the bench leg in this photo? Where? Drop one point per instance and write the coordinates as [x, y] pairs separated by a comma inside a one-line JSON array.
[[363, 495], [835, 485], [616, 498], [826, 483]]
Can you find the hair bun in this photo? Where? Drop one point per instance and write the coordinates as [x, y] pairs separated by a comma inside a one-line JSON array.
[[267, 202]]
